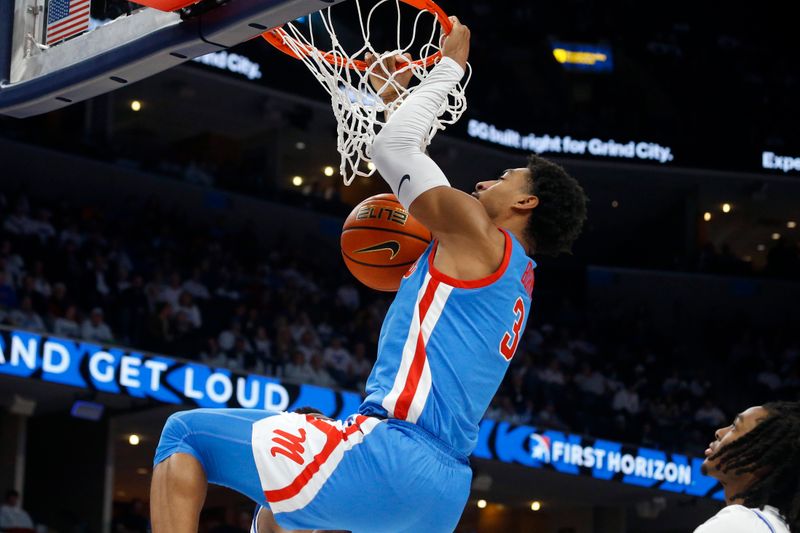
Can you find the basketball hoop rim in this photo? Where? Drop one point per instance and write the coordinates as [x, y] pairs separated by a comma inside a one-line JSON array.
[[277, 37]]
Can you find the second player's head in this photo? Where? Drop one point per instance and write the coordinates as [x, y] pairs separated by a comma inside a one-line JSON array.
[[757, 459], [550, 203]]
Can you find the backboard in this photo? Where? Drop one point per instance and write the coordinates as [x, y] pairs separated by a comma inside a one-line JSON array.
[[53, 53]]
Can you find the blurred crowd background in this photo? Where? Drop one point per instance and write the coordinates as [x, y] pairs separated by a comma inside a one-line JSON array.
[[155, 282]]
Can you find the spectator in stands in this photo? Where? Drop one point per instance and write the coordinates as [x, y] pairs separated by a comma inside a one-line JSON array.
[[709, 415], [42, 226], [40, 283], [262, 347], [12, 516], [187, 305], [626, 406], [337, 360], [154, 290], [184, 336], [347, 294], [591, 388], [298, 370], [673, 384], [172, 292], [768, 378], [95, 329], [552, 381], [549, 418], [591, 383], [67, 325], [72, 268], [251, 322], [309, 343], [70, 234], [8, 296], [626, 400], [283, 349], [241, 358], [517, 392], [261, 342], [26, 318], [319, 375], [212, 355], [28, 291], [227, 338], [160, 332], [19, 223], [118, 255], [581, 344], [98, 283], [195, 285], [58, 302], [14, 264], [300, 327], [360, 367], [699, 386], [226, 290], [132, 309], [122, 281]]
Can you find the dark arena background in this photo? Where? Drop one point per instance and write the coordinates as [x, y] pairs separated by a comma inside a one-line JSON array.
[[173, 242]]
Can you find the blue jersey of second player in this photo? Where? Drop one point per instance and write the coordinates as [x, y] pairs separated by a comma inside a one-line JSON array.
[[445, 345]]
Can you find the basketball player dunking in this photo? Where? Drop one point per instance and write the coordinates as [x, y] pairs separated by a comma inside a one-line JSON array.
[[400, 464]]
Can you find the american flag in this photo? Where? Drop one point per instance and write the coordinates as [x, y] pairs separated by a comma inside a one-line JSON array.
[[66, 18]]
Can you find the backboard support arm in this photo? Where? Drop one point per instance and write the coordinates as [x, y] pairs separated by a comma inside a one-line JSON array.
[[144, 44]]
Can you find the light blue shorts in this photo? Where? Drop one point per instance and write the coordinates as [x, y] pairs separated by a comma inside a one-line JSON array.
[[361, 475]]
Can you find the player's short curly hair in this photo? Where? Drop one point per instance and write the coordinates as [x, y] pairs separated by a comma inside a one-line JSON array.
[[558, 219]]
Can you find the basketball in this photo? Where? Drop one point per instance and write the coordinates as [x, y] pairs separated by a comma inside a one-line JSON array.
[[381, 240]]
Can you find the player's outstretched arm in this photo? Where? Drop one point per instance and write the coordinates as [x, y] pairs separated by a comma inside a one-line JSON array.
[[454, 217]]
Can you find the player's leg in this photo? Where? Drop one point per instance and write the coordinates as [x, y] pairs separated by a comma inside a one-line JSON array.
[[177, 493], [198, 447]]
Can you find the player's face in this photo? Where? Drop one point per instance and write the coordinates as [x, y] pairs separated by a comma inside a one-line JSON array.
[[741, 426], [500, 194]]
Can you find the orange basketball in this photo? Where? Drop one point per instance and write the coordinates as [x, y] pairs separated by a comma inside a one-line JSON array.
[[380, 242]]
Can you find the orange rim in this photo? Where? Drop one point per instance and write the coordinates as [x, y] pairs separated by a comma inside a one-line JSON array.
[[278, 37]]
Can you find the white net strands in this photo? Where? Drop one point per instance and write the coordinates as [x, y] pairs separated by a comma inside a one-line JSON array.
[[359, 109]]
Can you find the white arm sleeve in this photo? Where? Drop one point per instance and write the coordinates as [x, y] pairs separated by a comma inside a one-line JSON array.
[[397, 150], [736, 519]]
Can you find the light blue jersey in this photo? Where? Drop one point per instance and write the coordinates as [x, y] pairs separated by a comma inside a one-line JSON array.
[[445, 345], [401, 465]]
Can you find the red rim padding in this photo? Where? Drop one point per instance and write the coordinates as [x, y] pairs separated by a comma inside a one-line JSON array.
[[167, 5], [277, 37]]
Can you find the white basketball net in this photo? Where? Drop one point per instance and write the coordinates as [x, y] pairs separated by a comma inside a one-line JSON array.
[[359, 110]]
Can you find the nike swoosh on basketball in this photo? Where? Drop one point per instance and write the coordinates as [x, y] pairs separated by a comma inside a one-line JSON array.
[[392, 246], [402, 180]]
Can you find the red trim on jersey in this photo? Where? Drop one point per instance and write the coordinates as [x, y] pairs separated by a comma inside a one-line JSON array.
[[473, 283], [403, 403], [334, 437]]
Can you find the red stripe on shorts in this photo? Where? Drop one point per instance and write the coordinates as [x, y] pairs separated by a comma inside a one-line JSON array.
[[334, 437]]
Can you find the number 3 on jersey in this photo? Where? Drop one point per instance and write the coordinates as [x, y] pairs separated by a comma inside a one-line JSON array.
[[508, 346]]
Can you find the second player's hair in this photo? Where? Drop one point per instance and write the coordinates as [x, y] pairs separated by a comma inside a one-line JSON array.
[[558, 219], [771, 450]]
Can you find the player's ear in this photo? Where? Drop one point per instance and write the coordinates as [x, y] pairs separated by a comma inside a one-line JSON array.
[[527, 202]]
